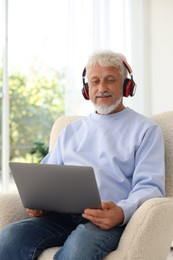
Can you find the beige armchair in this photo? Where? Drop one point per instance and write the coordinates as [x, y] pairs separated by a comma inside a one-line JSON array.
[[148, 234]]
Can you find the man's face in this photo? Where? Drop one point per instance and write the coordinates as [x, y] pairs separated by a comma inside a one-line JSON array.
[[105, 89]]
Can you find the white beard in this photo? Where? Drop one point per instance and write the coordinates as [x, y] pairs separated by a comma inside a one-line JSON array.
[[107, 109]]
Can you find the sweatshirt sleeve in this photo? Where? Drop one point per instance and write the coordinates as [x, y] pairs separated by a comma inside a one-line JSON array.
[[148, 179], [55, 155]]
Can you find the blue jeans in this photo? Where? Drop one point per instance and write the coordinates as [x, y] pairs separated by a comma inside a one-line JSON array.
[[79, 238]]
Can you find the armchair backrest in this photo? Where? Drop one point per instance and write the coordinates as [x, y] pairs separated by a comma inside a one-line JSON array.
[[58, 126], [165, 120]]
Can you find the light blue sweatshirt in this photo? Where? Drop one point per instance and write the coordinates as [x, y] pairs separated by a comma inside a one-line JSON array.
[[126, 151]]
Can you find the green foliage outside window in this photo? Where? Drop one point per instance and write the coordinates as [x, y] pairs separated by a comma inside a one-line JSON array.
[[36, 100], [40, 150]]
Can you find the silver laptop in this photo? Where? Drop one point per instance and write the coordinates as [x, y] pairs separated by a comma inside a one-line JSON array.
[[61, 188]]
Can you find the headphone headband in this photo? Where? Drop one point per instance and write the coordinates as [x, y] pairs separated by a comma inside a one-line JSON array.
[[127, 66]]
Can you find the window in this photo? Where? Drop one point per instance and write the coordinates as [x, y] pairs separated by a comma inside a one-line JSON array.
[[48, 45]]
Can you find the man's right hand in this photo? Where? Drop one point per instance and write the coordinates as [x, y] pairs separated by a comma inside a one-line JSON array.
[[35, 212]]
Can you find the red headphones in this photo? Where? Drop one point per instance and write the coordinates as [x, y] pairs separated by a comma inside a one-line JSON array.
[[129, 86]]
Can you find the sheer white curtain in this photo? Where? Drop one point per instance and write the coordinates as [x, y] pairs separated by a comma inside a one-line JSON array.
[[139, 29], [119, 25], [92, 25]]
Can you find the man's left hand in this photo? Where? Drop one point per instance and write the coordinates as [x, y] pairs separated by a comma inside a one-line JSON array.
[[106, 218]]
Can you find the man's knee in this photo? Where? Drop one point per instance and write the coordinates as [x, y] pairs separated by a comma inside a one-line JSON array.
[[8, 238], [8, 232], [13, 234]]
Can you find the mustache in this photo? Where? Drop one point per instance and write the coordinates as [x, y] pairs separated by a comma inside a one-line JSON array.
[[103, 94]]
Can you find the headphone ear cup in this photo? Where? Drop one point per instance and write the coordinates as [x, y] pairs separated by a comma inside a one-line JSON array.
[[128, 87], [85, 91]]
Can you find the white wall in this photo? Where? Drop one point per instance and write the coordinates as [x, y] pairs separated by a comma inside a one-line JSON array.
[[161, 30]]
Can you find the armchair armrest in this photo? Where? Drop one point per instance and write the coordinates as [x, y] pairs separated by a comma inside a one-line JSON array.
[[11, 208], [149, 233]]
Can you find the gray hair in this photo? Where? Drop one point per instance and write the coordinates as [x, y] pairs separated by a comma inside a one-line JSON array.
[[107, 59]]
